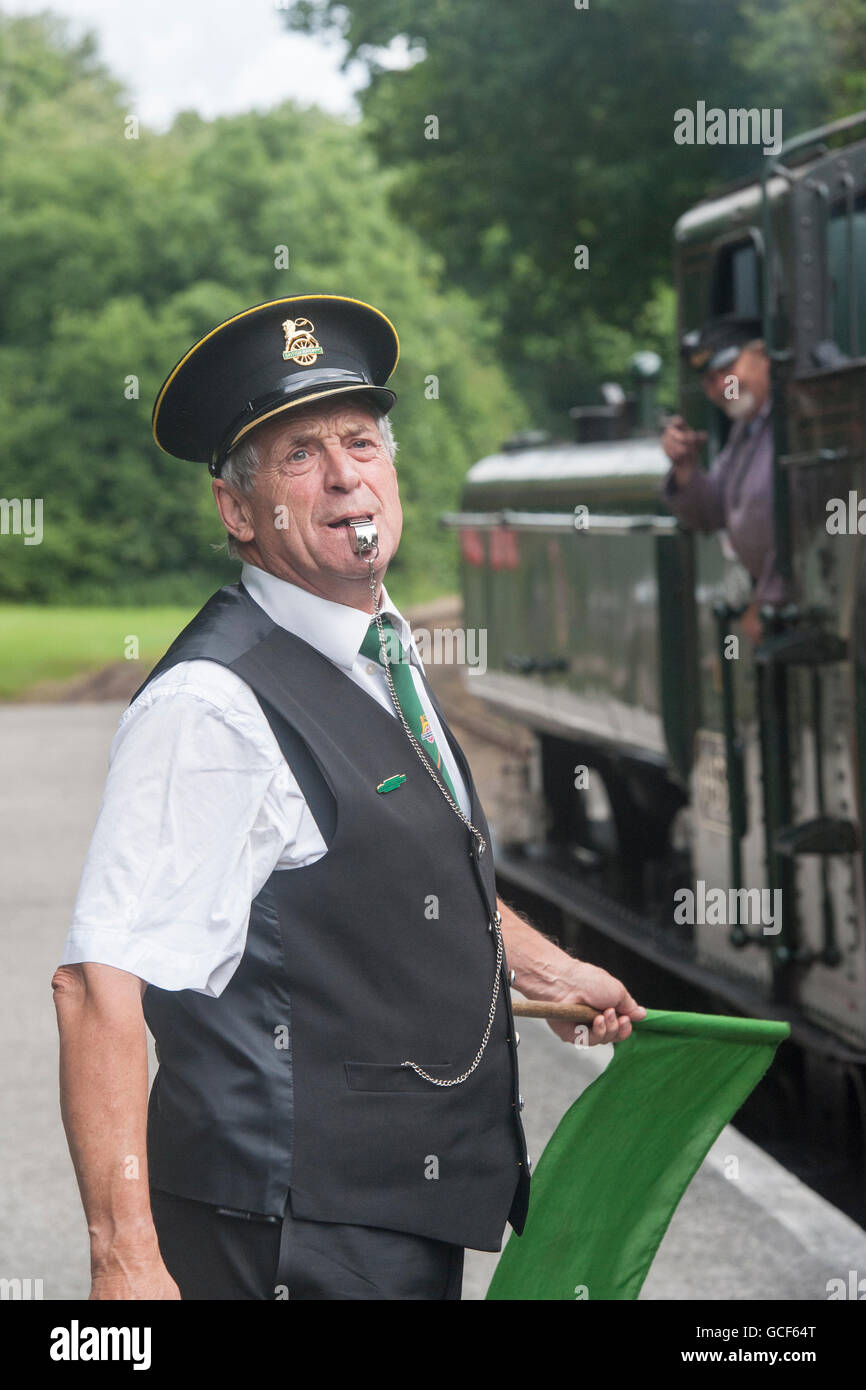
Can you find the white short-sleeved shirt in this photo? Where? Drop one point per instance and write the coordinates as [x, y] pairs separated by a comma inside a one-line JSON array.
[[200, 806]]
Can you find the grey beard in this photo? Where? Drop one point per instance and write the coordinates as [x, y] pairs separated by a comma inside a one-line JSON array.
[[741, 408]]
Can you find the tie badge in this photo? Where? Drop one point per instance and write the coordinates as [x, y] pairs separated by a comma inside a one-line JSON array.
[[390, 783], [301, 346], [426, 730]]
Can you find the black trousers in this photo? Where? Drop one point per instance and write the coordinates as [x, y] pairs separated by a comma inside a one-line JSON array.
[[212, 1253]]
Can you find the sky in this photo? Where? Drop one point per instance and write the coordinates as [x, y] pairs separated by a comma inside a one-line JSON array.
[[216, 56]]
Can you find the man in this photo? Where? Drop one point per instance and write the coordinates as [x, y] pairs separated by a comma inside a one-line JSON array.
[[737, 493], [296, 895]]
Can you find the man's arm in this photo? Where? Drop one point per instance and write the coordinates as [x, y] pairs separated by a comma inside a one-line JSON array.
[[103, 1101], [695, 497], [198, 807], [543, 971]]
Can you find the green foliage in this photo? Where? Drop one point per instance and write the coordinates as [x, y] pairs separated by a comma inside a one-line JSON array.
[[812, 53], [117, 253], [47, 644], [556, 129]]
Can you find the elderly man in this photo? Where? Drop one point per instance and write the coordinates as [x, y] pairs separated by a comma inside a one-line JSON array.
[[291, 882], [737, 493]]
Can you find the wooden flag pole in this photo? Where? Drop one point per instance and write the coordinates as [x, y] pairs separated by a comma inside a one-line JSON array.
[[541, 1008]]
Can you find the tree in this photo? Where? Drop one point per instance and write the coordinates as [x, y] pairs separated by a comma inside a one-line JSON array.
[[554, 129], [117, 253]]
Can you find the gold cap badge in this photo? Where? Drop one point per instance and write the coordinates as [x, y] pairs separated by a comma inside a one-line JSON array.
[[301, 346]]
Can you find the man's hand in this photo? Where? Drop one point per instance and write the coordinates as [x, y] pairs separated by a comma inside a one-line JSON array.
[[588, 984], [682, 446], [542, 971], [137, 1273], [752, 625]]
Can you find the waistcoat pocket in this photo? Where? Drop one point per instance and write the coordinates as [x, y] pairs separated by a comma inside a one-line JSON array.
[[390, 1076]]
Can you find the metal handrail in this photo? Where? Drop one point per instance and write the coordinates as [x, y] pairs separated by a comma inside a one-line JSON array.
[[822, 132], [601, 524]]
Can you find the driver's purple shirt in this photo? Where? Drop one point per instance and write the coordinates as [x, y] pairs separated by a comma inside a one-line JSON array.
[[737, 495]]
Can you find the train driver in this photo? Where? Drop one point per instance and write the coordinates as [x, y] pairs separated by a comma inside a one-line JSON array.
[[737, 492]]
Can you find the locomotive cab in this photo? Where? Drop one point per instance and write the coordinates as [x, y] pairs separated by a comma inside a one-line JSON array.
[[697, 799]]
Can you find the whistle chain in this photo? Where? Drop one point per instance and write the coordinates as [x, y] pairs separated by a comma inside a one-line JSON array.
[[456, 1080]]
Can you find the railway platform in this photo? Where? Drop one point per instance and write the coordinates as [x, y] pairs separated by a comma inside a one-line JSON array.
[[761, 1235]]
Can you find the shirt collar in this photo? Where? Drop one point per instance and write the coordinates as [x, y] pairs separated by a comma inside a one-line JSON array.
[[334, 629], [761, 415]]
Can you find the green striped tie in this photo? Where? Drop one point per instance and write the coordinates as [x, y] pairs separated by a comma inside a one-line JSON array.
[[407, 695]]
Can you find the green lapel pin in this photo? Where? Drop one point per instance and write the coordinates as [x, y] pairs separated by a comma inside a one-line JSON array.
[[390, 783]]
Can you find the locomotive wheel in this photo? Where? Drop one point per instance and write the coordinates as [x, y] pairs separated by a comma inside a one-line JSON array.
[[308, 357]]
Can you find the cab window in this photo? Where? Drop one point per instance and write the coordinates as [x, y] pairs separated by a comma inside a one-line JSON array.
[[736, 280], [846, 277]]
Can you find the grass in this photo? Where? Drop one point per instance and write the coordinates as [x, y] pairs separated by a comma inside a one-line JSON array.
[[54, 644], [44, 643]]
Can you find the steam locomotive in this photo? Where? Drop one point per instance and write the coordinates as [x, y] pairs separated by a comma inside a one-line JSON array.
[[668, 764]]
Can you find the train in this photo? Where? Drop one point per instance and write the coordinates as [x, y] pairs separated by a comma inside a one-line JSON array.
[[668, 765]]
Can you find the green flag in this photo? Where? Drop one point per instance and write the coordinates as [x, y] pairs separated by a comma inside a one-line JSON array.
[[609, 1181]]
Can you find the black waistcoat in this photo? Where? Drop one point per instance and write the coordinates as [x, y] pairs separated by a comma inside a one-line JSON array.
[[379, 952]]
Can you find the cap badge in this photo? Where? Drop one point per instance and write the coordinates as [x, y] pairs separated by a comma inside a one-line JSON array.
[[301, 346]]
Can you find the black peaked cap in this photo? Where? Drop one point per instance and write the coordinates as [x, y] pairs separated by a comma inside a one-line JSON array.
[[268, 359], [719, 342]]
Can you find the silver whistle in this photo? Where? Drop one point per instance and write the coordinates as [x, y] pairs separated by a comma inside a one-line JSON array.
[[366, 535]]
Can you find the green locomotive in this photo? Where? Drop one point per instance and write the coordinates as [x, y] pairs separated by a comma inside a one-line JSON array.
[[668, 757]]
